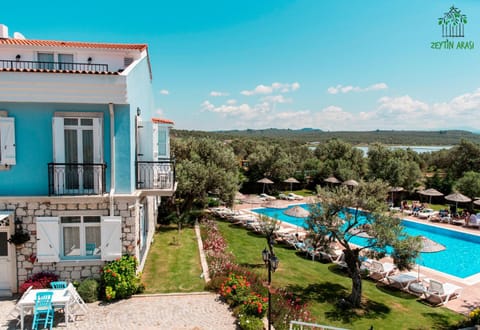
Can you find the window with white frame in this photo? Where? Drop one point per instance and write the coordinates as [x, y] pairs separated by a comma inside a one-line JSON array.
[[7, 141], [80, 236], [46, 61], [78, 143]]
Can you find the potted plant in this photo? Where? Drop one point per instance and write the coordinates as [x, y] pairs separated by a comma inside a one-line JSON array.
[[19, 237]]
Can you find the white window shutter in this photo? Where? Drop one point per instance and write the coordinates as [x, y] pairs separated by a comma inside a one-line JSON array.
[[97, 141], [111, 238], [7, 141], [48, 239], [58, 140]]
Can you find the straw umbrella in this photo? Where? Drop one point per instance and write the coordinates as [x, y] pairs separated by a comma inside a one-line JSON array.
[[291, 181], [297, 211], [394, 190], [477, 202], [457, 198], [332, 180], [265, 181], [430, 192], [351, 183]]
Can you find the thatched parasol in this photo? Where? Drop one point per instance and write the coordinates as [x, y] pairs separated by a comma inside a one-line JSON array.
[[332, 179], [265, 181], [430, 192], [393, 190], [291, 181], [430, 246], [477, 202], [457, 198], [297, 211], [351, 183]]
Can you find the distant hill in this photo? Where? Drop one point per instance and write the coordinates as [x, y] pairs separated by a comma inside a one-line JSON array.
[[311, 135]]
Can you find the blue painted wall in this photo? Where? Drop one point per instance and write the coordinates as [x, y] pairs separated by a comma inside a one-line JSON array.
[[139, 95], [34, 141], [34, 146]]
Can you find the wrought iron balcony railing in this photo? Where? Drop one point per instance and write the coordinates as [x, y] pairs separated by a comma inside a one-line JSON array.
[[155, 174], [39, 65], [76, 179]]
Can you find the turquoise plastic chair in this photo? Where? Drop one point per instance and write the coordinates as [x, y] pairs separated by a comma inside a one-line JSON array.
[[58, 285], [90, 248], [43, 312]]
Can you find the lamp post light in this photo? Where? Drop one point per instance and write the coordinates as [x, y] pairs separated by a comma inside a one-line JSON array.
[[271, 262]]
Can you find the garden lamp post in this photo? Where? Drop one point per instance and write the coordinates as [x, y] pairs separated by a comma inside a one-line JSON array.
[[271, 262]]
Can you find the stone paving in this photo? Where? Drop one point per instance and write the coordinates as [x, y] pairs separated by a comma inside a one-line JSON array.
[[201, 311]]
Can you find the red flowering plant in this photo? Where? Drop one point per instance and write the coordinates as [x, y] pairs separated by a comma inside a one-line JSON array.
[[255, 305], [39, 280], [235, 289], [286, 306]]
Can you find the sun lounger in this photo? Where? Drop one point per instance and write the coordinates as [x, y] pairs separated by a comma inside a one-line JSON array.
[[440, 293], [403, 280], [380, 270]]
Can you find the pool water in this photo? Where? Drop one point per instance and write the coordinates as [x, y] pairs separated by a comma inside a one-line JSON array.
[[458, 259]]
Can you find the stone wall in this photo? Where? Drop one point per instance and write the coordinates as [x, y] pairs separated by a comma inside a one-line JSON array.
[[26, 209]]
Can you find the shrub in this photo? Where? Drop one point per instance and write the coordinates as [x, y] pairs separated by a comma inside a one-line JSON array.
[[119, 278], [286, 307], [235, 289], [88, 290], [248, 322], [255, 305], [39, 280]]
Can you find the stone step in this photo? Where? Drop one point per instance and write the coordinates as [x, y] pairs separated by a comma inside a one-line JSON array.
[[5, 293]]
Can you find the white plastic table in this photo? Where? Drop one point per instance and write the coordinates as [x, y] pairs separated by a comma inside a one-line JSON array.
[[60, 298]]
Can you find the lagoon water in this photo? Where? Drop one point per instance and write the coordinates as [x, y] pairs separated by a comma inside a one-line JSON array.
[[418, 149]]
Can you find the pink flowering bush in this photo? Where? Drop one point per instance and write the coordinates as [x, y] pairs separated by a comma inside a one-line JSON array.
[[286, 307]]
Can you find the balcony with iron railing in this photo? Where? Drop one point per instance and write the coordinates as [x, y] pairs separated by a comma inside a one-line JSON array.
[[155, 175], [17, 65], [76, 179]]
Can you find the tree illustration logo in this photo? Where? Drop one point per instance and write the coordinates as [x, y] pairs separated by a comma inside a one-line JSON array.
[[453, 23]]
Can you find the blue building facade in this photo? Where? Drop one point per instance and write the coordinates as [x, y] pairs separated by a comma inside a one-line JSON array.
[[83, 163]]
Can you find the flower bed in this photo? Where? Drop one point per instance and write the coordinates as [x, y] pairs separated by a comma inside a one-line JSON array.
[[244, 290]]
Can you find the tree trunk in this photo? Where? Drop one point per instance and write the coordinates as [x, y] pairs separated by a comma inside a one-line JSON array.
[[353, 263]]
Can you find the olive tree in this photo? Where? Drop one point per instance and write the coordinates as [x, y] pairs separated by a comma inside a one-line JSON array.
[[202, 166], [341, 217], [469, 184]]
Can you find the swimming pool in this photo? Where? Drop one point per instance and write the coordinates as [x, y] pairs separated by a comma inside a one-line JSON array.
[[459, 258]]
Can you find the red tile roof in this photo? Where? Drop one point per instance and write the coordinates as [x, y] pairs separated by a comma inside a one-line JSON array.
[[73, 44], [162, 121]]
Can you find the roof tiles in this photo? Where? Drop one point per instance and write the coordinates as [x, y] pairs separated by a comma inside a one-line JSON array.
[[71, 44]]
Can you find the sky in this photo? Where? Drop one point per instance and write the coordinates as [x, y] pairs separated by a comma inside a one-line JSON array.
[[334, 65]]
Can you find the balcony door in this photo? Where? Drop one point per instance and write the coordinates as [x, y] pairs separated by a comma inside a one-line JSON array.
[[77, 148]]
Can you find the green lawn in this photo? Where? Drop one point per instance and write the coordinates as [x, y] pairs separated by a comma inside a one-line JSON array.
[[173, 262], [322, 285]]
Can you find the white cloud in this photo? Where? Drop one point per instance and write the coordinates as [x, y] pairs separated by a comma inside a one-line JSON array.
[[217, 93], [402, 112], [276, 99], [347, 89], [276, 86], [164, 92]]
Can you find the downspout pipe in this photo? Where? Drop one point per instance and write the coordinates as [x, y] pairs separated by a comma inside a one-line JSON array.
[[112, 158]]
